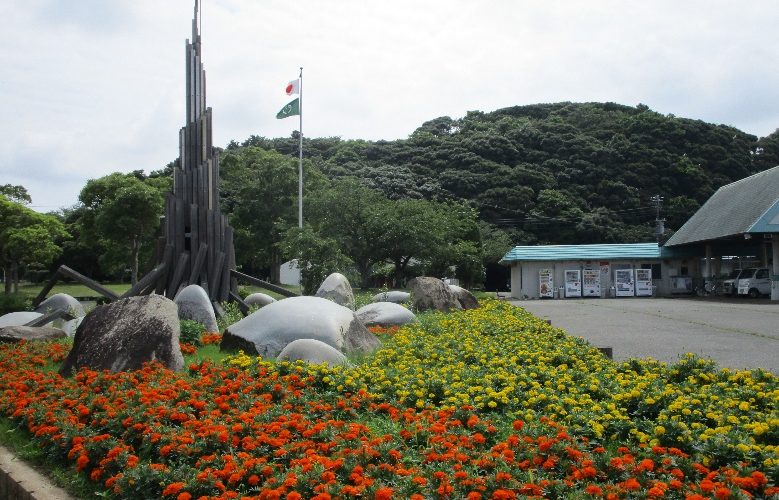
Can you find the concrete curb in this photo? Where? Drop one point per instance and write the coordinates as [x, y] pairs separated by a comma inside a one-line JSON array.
[[20, 481]]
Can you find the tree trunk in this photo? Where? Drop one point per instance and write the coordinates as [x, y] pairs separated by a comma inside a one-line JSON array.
[[136, 250], [15, 276], [398, 272], [365, 274], [7, 278]]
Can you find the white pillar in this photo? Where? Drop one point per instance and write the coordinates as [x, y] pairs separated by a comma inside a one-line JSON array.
[[775, 273]]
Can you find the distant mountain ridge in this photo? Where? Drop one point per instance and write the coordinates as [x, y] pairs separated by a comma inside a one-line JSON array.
[[553, 173]]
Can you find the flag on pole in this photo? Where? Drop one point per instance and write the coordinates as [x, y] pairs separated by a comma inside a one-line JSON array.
[[293, 87], [291, 109]]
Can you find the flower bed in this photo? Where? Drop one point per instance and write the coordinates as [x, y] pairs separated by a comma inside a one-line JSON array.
[[490, 403]]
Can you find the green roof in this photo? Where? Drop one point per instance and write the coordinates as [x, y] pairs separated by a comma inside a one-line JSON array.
[[750, 205], [617, 251]]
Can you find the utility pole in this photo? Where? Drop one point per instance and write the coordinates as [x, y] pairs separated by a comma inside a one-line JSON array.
[[657, 201]]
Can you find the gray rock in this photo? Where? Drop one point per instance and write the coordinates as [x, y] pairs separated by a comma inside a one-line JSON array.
[[259, 299], [125, 334], [18, 318], [61, 302], [194, 304], [67, 303], [269, 330], [395, 296], [385, 314], [13, 334], [432, 294], [467, 299], [337, 288], [312, 351]]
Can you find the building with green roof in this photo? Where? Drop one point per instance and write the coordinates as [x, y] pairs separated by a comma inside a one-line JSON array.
[[738, 225]]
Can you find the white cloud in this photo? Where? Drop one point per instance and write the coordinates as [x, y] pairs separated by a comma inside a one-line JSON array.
[[91, 87]]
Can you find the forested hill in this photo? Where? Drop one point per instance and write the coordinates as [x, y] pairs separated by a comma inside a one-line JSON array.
[[553, 173]]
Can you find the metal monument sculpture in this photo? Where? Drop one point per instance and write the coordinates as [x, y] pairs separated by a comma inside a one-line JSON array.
[[196, 246], [198, 239]]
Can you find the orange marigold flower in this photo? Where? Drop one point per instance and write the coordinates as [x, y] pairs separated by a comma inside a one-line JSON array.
[[631, 484], [81, 462], [173, 488], [593, 490], [184, 496], [383, 493], [501, 494], [293, 495], [722, 493]]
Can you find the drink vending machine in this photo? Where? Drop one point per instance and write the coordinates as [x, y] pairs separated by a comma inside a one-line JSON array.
[[545, 283], [643, 282], [623, 280], [591, 283], [573, 283]]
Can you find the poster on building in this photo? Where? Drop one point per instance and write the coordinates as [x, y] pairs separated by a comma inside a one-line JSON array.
[[545, 283], [591, 283]]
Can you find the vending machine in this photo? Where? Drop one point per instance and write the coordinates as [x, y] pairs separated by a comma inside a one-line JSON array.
[[623, 281], [545, 283], [573, 283], [643, 282], [591, 283]]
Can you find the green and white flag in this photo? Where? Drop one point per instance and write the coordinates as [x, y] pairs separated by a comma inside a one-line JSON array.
[[291, 109]]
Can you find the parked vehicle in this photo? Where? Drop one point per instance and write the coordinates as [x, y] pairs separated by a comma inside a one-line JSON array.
[[754, 281], [730, 284]]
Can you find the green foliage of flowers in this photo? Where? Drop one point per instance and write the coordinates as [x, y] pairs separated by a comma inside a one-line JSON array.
[[500, 359], [191, 331], [544, 416]]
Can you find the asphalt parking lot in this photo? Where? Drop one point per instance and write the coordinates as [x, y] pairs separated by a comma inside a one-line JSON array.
[[735, 333]]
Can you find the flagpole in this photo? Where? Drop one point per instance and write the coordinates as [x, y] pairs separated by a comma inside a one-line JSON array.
[[300, 170]]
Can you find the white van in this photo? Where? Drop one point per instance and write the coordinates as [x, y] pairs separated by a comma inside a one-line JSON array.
[[754, 281]]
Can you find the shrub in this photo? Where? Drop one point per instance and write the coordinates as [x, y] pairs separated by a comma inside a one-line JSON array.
[[191, 331], [13, 302]]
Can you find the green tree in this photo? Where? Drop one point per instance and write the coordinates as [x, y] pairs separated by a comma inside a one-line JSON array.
[[18, 194], [123, 213], [260, 192], [26, 237], [318, 256], [348, 213]]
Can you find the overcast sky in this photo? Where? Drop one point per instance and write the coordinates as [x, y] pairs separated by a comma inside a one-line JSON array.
[[90, 87]]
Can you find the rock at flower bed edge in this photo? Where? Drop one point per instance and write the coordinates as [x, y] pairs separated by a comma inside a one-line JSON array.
[[125, 334], [14, 334]]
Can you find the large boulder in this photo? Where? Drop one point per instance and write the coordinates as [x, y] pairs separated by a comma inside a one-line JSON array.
[[432, 294], [337, 288], [312, 351], [194, 304], [125, 334], [396, 296], [61, 302], [66, 303], [269, 330], [385, 314], [13, 334], [467, 299], [18, 318], [259, 299]]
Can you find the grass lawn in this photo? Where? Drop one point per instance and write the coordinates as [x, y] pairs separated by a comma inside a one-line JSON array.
[[73, 289]]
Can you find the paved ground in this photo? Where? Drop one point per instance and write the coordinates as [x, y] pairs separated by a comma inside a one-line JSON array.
[[20, 480], [735, 333]]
